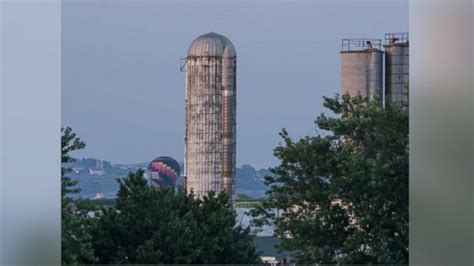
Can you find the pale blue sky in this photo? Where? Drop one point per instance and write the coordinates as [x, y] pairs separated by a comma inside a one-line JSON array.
[[123, 93]]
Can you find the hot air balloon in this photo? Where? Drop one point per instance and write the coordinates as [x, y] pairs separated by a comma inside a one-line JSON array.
[[164, 171]]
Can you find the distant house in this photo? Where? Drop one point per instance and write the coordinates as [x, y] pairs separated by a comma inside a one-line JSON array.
[[77, 170], [269, 253], [97, 172]]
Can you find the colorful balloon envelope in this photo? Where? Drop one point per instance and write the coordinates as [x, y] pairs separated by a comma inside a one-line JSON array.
[[164, 171]]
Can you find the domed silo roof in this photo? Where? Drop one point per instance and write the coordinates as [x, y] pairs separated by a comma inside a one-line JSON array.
[[211, 44]]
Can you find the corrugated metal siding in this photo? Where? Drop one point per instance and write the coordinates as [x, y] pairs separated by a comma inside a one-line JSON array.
[[210, 130], [229, 66], [361, 73], [396, 72]]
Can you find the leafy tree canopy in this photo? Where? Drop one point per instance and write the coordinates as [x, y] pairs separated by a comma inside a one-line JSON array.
[[76, 246], [169, 226], [342, 194]]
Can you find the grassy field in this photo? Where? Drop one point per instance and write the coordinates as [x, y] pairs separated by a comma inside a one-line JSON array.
[[247, 203]]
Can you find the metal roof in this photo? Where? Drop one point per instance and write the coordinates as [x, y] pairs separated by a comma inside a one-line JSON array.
[[211, 44]]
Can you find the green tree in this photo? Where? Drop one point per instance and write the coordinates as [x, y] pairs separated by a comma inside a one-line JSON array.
[[342, 194], [76, 246], [166, 225]]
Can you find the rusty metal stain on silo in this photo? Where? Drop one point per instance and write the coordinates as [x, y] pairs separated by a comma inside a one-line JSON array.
[[210, 107], [361, 67], [396, 66], [229, 66]]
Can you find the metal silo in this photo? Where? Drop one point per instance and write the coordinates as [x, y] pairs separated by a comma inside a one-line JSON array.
[[361, 67], [396, 66], [210, 130]]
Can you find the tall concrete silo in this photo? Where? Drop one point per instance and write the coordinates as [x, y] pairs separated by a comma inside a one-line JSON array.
[[396, 67], [361, 67], [210, 130]]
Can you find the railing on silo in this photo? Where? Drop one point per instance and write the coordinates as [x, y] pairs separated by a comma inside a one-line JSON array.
[[360, 44], [396, 37], [182, 64]]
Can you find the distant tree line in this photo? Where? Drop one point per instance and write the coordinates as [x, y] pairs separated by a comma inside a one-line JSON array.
[[87, 163]]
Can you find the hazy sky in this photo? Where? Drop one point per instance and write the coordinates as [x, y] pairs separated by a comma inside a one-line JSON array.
[[123, 93]]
